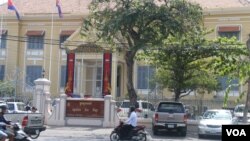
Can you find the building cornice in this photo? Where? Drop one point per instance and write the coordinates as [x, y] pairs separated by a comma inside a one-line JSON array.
[[227, 11], [46, 17]]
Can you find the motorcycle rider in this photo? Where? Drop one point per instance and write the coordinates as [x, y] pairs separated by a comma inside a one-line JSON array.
[[4, 123], [130, 123]]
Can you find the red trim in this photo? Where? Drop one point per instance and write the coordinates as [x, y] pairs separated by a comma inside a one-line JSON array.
[[66, 32], [228, 28], [35, 33]]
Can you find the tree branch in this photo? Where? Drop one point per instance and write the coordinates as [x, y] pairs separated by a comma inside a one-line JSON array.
[[185, 94]]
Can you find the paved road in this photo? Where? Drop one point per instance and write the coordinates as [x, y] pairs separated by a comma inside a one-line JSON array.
[[191, 136], [102, 134]]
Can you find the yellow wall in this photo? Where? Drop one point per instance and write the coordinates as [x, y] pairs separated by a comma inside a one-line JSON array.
[[16, 50], [16, 57]]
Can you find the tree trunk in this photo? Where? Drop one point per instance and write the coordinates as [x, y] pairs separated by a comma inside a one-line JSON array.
[[247, 104], [177, 95], [130, 70]]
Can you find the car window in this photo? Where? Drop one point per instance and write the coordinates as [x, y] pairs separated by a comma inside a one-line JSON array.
[[125, 104], [240, 109], [10, 106], [20, 107], [171, 108], [216, 115], [145, 105]]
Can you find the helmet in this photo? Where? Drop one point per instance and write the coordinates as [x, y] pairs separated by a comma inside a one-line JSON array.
[[3, 107], [132, 108]]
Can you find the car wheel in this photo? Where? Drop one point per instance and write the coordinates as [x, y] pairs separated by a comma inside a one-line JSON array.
[[200, 136], [36, 135], [183, 132], [155, 131]]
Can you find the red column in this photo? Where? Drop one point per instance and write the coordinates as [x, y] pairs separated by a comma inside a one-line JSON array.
[[69, 88], [107, 64]]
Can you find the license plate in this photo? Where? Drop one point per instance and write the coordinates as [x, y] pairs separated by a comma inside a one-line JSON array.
[[170, 126], [212, 132], [36, 121]]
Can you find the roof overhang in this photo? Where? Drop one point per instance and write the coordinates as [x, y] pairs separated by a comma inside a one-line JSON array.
[[78, 44]]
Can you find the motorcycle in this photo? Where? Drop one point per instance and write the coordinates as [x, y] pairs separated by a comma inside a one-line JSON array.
[[19, 134], [138, 133]]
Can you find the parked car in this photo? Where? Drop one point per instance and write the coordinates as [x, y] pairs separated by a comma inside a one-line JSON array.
[[211, 122], [16, 107], [170, 116], [238, 114], [145, 109], [32, 123]]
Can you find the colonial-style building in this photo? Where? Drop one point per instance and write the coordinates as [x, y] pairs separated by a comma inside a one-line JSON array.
[[35, 45]]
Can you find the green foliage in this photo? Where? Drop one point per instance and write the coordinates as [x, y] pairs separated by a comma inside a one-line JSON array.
[[133, 25], [6, 89], [242, 94], [189, 61]]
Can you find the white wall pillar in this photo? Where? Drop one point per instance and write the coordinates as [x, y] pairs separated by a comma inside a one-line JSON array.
[[62, 111], [42, 92], [107, 111], [113, 113], [47, 110]]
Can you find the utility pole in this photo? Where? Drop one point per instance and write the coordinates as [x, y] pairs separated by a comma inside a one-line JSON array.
[[247, 104]]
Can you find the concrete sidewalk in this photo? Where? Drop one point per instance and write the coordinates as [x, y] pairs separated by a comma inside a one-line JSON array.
[[76, 133]]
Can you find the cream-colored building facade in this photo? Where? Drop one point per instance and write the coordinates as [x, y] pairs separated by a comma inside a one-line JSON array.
[[33, 44]]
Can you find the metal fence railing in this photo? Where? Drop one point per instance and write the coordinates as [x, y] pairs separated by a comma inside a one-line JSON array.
[[194, 107]]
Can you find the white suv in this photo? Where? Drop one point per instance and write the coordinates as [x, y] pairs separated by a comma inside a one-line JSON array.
[[145, 108]]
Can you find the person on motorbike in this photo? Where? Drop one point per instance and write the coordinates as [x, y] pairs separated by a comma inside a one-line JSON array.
[[130, 123], [4, 123]]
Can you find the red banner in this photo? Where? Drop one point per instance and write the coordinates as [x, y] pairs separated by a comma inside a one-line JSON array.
[[69, 88], [107, 63]]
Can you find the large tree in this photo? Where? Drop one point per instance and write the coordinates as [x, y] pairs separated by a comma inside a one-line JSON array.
[[236, 64], [133, 25], [189, 62]]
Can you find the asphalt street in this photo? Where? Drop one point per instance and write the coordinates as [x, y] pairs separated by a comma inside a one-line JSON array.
[[102, 134]]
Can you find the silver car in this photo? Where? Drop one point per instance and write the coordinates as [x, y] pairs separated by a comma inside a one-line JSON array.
[[238, 114], [212, 120]]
